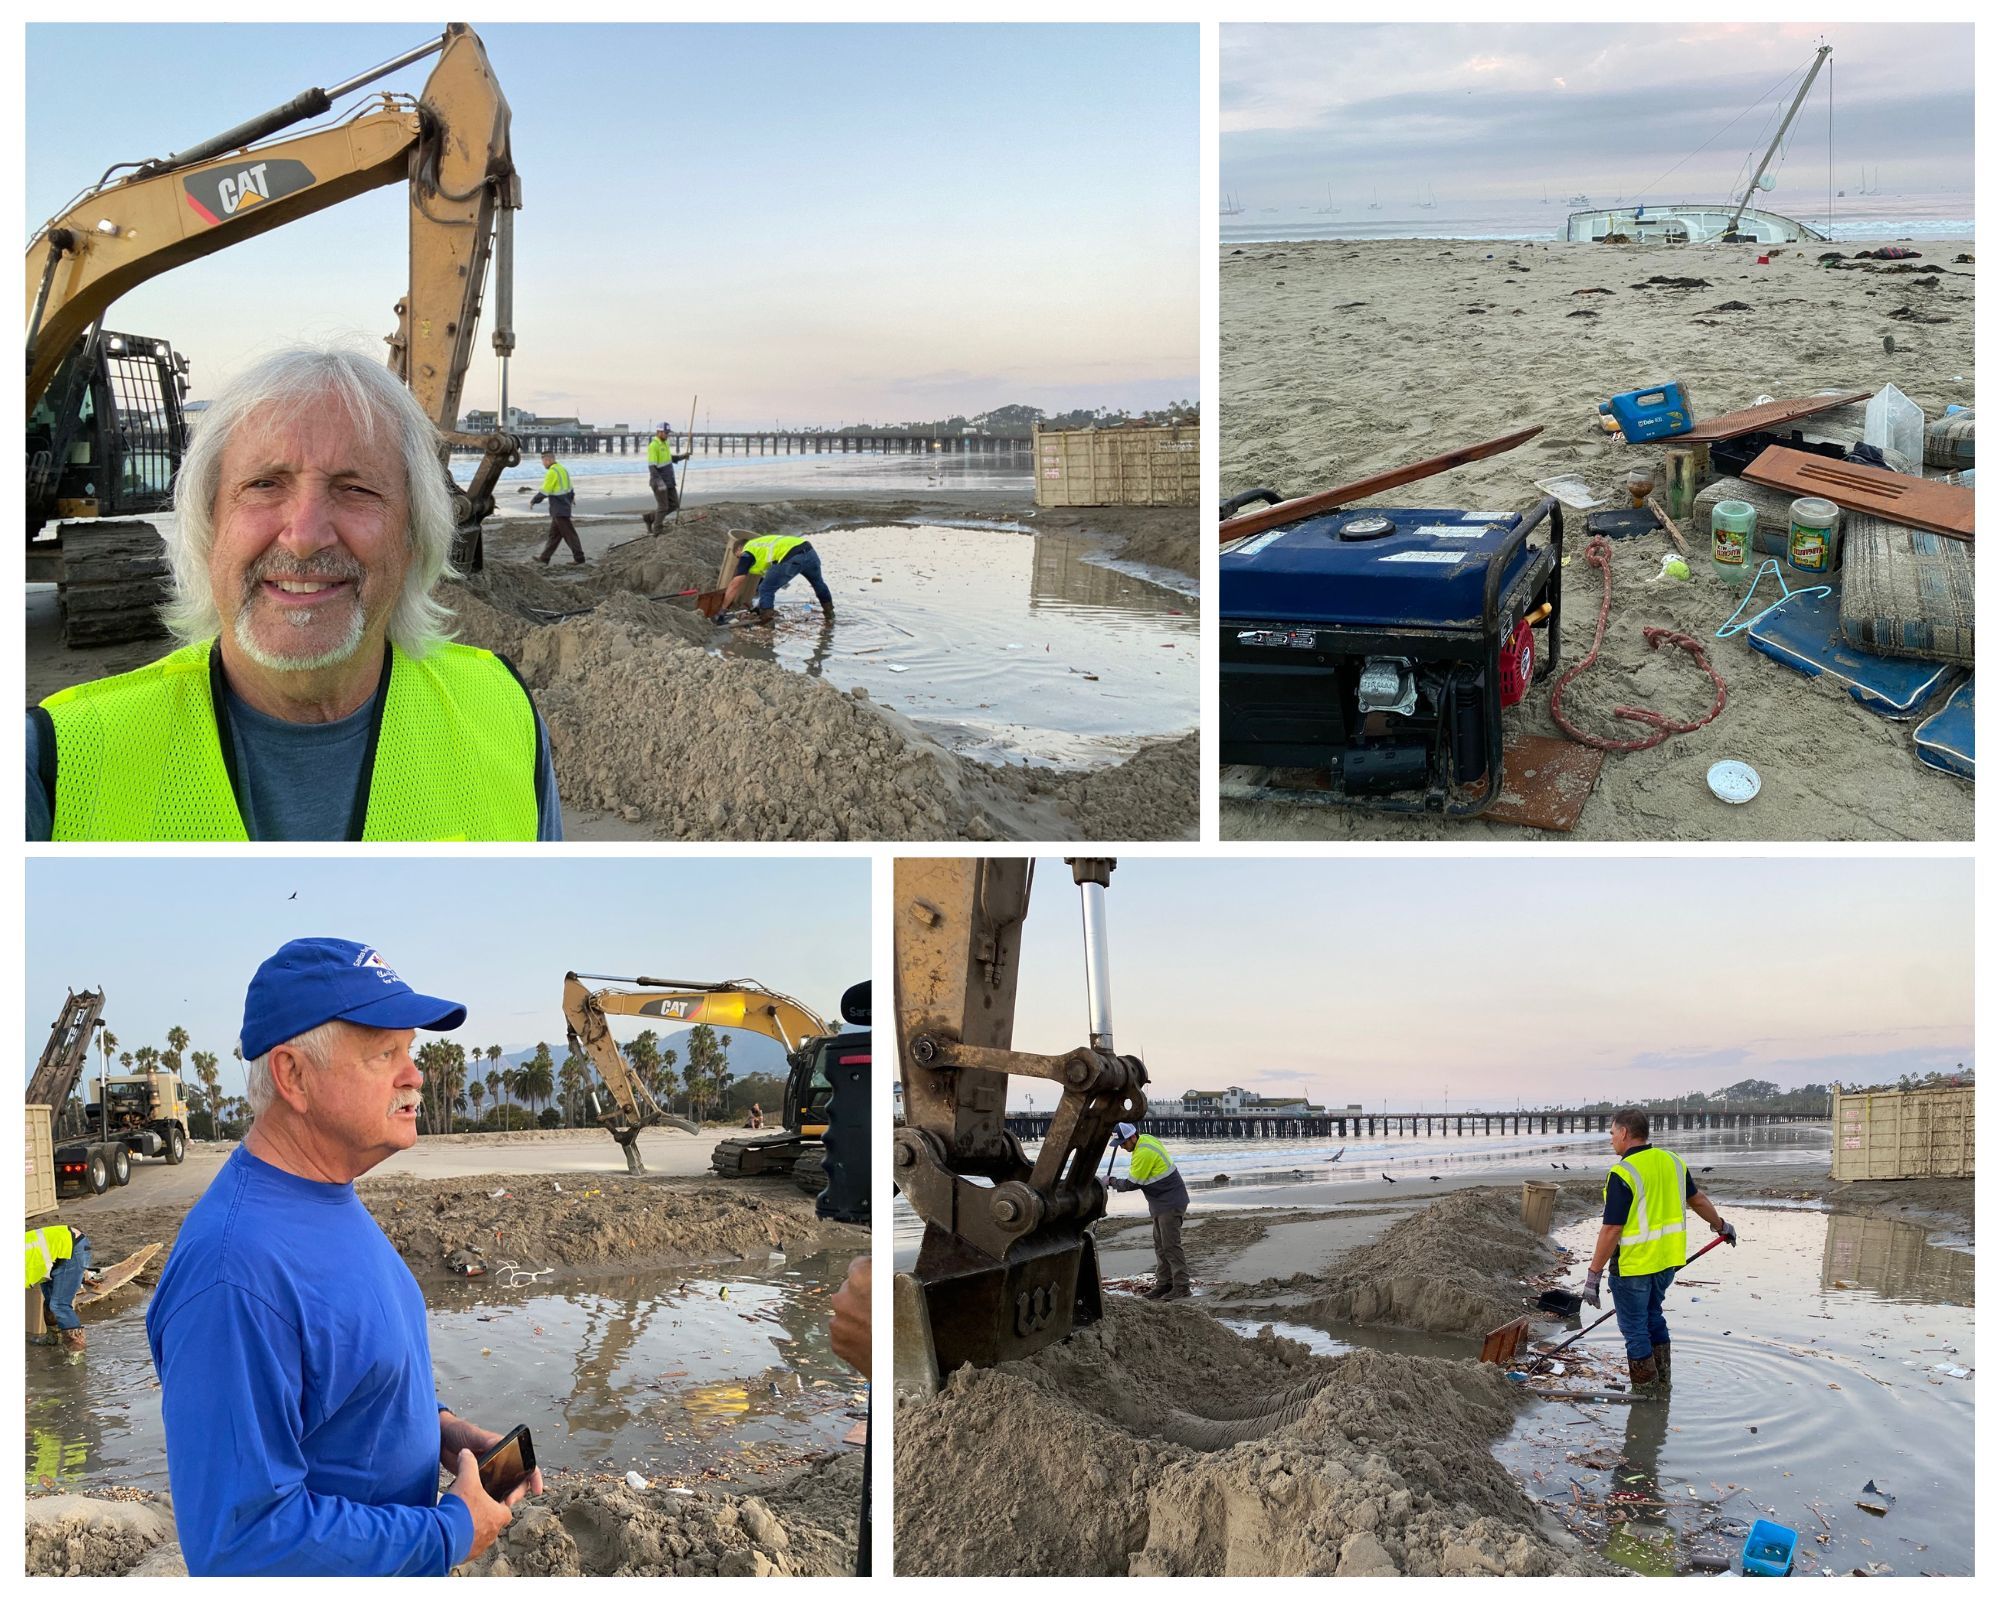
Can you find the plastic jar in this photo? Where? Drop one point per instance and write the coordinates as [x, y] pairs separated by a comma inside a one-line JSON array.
[[1732, 525], [1813, 544]]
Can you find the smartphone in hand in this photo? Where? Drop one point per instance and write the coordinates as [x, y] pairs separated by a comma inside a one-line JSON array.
[[503, 1468]]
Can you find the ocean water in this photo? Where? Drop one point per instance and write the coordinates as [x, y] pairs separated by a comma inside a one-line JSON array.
[[717, 477], [1855, 218]]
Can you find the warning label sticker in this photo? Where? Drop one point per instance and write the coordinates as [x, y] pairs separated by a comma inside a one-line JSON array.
[[1448, 558]]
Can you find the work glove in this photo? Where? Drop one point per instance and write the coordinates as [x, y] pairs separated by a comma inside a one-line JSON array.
[[1591, 1287], [536, 501], [1123, 1185], [1727, 1231]]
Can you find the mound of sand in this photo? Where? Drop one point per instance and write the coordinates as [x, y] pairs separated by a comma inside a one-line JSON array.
[[581, 1527], [647, 724], [631, 1222], [1339, 329], [804, 1528], [82, 1536], [1158, 1442], [1457, 1266]]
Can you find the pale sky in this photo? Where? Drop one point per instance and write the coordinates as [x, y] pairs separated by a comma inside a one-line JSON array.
[[1507, 109], [1552, 980], [176, 940], [799, 224]]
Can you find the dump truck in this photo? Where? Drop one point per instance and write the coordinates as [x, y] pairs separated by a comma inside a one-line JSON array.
[[125, 1115]]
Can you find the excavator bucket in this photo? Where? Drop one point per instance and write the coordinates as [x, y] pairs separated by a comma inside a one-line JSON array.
[[960, 1308]]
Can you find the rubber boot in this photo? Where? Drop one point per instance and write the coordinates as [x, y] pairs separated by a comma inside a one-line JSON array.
[[71, 1340], [1645, 1377], [1159, 1291], [1179, 1292], [1663, 1359]]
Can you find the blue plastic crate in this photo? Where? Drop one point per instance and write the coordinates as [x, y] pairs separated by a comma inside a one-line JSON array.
[[1769, 1550]]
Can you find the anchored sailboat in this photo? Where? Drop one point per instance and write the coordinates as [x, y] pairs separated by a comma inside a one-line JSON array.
[[1736, 223]]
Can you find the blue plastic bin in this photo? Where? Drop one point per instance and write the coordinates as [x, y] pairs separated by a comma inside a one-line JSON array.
[[1769, 1550]]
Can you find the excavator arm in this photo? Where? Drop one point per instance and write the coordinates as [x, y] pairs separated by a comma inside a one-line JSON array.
[[739, 1006], [452, 145], [1008, 1264]]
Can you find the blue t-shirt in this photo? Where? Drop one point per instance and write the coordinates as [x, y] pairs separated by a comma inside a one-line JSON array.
[[297, 780], [295, 1378]]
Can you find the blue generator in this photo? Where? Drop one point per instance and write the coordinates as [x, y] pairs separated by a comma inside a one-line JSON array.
[[1372, 645]]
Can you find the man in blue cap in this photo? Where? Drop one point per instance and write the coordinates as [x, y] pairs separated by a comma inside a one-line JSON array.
[[1153, 1172], [304, 1431]]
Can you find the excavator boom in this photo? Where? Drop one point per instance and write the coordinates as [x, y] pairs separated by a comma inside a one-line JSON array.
[[739, 1006], [453, 148]]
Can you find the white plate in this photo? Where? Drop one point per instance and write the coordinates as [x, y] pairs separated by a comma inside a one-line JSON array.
[[1734, 781]]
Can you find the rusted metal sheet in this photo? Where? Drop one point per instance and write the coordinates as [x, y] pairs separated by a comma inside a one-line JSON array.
[[1942, 508]]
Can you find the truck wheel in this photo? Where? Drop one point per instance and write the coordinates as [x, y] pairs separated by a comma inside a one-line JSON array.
[[98, 1173], [121, 1166], [177, 1147]]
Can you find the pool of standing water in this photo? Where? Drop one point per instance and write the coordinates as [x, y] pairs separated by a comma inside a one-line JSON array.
[[1008, 645]]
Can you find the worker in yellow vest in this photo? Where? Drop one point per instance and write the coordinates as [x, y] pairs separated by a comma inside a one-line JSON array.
[[1647, 1196], [59, 1261], [1152, 1171], [561, 496], [660, 459], [774, 559]]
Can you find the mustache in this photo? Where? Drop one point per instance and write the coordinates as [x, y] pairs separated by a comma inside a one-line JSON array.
[[407, 1102], [280, 566]]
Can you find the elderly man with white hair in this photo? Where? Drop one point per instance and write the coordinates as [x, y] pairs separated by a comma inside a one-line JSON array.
[[304, 1430], [314, 695]]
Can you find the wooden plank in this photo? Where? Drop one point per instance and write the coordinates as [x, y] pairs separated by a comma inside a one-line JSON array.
[[1311, 505], [1772, 414], [1935, 507], [115, 1278]]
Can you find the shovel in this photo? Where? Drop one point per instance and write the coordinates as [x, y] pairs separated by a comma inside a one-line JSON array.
[[1558, 1349]]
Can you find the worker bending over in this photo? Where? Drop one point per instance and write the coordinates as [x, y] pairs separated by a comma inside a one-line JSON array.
[[1647, 1197], [1153, 1171], [774, 559], [58, 1262]]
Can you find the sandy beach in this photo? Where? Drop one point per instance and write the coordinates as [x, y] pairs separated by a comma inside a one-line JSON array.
[[1344, 359], [1317, 1408], [655, 737]]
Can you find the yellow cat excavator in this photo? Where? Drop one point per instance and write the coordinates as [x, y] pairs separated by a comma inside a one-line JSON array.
[[741, 1005], [1008, 1262], [105, 424]]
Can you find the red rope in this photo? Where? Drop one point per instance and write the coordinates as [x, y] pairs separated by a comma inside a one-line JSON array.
[[1598, 554]]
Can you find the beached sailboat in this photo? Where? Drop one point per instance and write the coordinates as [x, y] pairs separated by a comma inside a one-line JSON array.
[[1737, 223]]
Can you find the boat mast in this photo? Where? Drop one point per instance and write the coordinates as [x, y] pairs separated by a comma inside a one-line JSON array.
[[1784, 127]]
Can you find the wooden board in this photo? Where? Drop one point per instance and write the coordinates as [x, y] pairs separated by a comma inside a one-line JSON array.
[[1544, 783], [115, 1278], [1772, 414], [1914, 502], [1311, 505], [1499, 1345]]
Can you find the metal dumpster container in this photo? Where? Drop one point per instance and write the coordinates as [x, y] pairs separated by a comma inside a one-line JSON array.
[[1158, 466], [1903, 1133]]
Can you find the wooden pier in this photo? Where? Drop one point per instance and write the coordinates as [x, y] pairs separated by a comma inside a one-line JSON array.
[[737, 442], [1418, 1124]]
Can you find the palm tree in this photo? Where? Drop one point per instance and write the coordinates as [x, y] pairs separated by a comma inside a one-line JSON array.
[[493, 1087], [493, 1055], [537, 1079], [642, 1055], [211, 1083], [177, 1041], [478, 1092], [108, 1042], [719, 1074], [125, 1059], [663, 1075], [575, 1074]]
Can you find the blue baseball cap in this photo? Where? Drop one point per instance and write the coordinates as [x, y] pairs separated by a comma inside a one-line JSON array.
[[311, 981]]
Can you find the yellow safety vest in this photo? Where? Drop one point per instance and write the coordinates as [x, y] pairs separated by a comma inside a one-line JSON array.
[[47, 1246], [139, 756], [1655, 1236], [556, 480], [1150, 1160], [769, 548], [659, 452]]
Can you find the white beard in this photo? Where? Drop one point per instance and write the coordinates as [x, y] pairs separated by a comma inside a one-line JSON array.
[[334, 655]]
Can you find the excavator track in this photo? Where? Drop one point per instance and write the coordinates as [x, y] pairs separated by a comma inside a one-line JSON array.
[[809, 1172], [114, 581], [773, 1155]]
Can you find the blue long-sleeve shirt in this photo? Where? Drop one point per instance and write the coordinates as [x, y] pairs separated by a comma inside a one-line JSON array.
[[295, 1376]]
